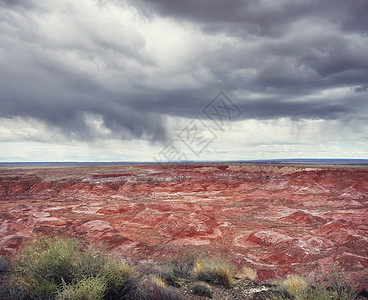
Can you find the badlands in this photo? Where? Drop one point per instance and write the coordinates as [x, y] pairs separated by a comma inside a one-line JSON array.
[[276, 219]]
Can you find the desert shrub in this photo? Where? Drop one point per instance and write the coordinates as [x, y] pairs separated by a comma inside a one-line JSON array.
[[169, 293], [337, 284], [90, 288], [90, 262], [166, 273], [118, 277], [4, 263], [45, 290], [202, 289], [173, 269], [213, 270], [154, 288], [66, 266], [183, 265], [49, 260]]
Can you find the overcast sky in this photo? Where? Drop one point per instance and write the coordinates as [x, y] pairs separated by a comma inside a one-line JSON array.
[[145, 80]]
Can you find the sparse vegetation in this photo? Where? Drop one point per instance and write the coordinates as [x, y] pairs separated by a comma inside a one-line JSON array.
[[155, 288], [175, 268], [66, 268], [295, 286], [202, 289], [333, 285], [214, 270]]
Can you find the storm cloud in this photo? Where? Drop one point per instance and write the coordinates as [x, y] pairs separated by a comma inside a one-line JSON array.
[[118, 69]]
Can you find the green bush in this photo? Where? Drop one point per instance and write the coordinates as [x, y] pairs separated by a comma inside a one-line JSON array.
[[90, 288], [214, 270], [45, 290], [90, 262], [118, 278], [49, 260], [60, 267]]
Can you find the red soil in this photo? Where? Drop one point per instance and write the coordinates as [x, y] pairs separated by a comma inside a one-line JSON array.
[[278, 220]]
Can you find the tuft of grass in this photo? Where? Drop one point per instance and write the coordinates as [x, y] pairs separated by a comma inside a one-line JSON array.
[[158, 281], [202, 289], [90, 288], [249, 273], [295, 286], [214, 270], [175, 268], [166, 273], [182, 266]]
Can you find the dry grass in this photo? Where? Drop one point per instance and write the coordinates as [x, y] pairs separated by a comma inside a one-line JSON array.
[[214, 270], [295, 285], [158, 281], [248, 273], [334, 285]]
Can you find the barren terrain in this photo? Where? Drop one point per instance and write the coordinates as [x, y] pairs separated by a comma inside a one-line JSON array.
[[275, 219]]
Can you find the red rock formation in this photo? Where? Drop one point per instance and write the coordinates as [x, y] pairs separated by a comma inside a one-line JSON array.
[[275, 219]]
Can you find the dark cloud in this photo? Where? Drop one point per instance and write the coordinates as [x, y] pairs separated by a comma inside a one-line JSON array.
[[38, 79], [260, 17], [272, 58]]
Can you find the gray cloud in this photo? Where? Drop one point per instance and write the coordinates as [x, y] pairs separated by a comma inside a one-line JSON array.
[[288, 50], [39, 80], [273, 59], [261, 17]]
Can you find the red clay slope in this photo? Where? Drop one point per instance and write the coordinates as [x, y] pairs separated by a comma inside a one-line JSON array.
[[275, 219]]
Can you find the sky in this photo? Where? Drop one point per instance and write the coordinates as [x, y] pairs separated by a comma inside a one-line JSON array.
[[171, 80]]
